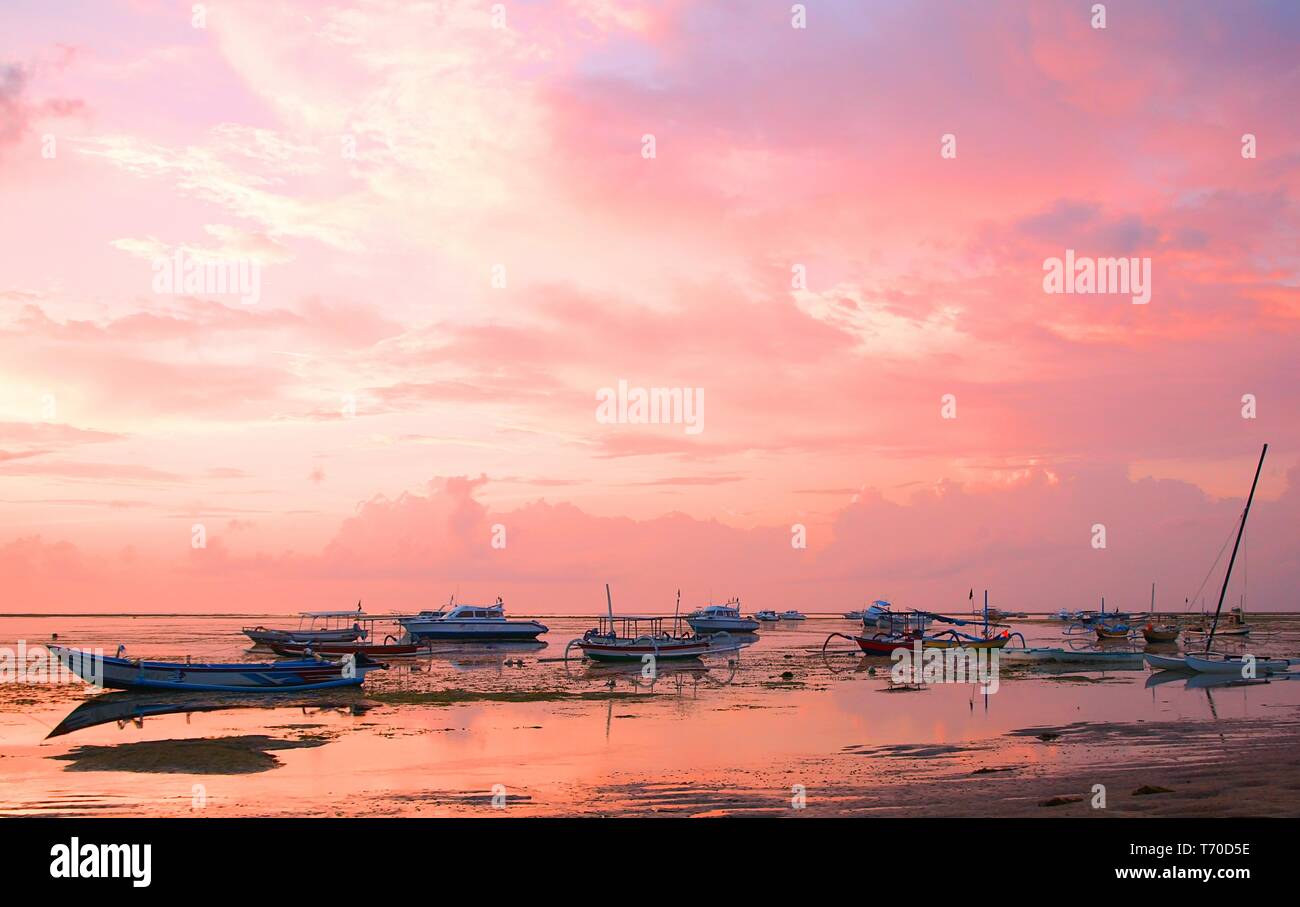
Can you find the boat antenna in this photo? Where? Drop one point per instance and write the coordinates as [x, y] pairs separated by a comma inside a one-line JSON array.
[[1240, 529], [609, 602]]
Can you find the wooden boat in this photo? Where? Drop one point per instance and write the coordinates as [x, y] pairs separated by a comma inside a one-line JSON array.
[[633, 638], [339, 649], [1212, 663], [237, 677], [883, 644], [313, 626], [1112, 631], [1115, 657], [1161, 632]]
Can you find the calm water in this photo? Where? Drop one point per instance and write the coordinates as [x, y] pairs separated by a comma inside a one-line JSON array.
[[441, 734]]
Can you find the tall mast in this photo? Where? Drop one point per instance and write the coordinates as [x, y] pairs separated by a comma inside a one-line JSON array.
[[1240, 529], [609, 602]]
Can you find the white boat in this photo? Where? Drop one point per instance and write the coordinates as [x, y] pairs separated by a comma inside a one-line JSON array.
[[855, 615], [880, 616], [640, 638], [313, 626], [721, 618], [1072, 656], [477, 622], [793, 615], [1166, 662], [1237, 664], [766, 616]]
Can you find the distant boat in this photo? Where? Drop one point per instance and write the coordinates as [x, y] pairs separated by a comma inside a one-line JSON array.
[[338, 649], [477, 622], [237, 677], [793, 615], [766, 616], [721, 618], [314, 626], [1116, 657]]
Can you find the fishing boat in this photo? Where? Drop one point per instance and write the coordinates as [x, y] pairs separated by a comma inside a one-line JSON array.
[[465, 621], [886, 642], [313, 626], [1158, 633], [1237, 664], [633, 638], [766, 616], [855, 615], [1210, 662], [238, 677], [1165, 662], [793, 615], [339, 649], [1112, 631], [721, 618], [1113, 657]]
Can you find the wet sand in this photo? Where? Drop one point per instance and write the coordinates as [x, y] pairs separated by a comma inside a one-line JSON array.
[[779, 730]]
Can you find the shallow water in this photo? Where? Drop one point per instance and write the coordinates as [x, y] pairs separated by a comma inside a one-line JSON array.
[[441, 734]]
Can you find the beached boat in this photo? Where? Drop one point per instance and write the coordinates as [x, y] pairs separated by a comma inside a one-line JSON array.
[[237, 677], [766, 616], [882, 644], [721, 618], [634, 637], [476, 622], [339, 649], [793, 615], [1210, 662], [1116, 657], [1237, 664], [1165, 662], [1112, 631], [313, 626]]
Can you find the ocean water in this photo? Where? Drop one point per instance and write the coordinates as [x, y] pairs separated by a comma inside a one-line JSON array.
[[777, 728]]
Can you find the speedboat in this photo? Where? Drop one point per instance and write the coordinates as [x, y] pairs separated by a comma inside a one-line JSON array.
[[238, 677], [793, 615], [313, 626], [469, 622], [718, 618], [766, 616]]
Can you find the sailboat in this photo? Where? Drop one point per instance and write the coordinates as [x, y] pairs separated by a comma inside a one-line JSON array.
[[1157, 633], [1210, 662]]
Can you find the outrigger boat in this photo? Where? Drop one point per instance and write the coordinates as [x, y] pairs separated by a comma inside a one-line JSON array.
[[721, 618], [313, 626], [886, 642], [477, 622], [632, 638], [339, 649], [238, 677]]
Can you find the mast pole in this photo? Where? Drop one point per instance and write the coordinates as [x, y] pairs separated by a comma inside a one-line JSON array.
[[609, 603], [1240, 529]]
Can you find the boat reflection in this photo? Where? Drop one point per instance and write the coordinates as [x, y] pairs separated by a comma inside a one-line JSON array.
[[131, 708]]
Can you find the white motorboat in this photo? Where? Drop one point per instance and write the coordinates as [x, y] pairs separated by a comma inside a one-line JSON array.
[[721, 618], [766, 616], [793, 615], [476, 622]]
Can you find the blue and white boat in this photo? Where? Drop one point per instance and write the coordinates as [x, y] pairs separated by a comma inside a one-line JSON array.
[[476, 622], [237, 677]]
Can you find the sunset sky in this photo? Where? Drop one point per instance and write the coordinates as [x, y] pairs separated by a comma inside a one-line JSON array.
[[387, 164]]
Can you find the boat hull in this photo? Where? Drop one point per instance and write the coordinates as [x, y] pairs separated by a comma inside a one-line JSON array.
[[886, 646], [122, 674], [1235, 665], [722, 625], [478, 630], [261, 636], [326, 649], [638, 651], [1166, 662], [1071, 656]]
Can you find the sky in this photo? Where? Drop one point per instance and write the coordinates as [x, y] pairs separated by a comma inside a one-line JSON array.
[[464, 222]]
